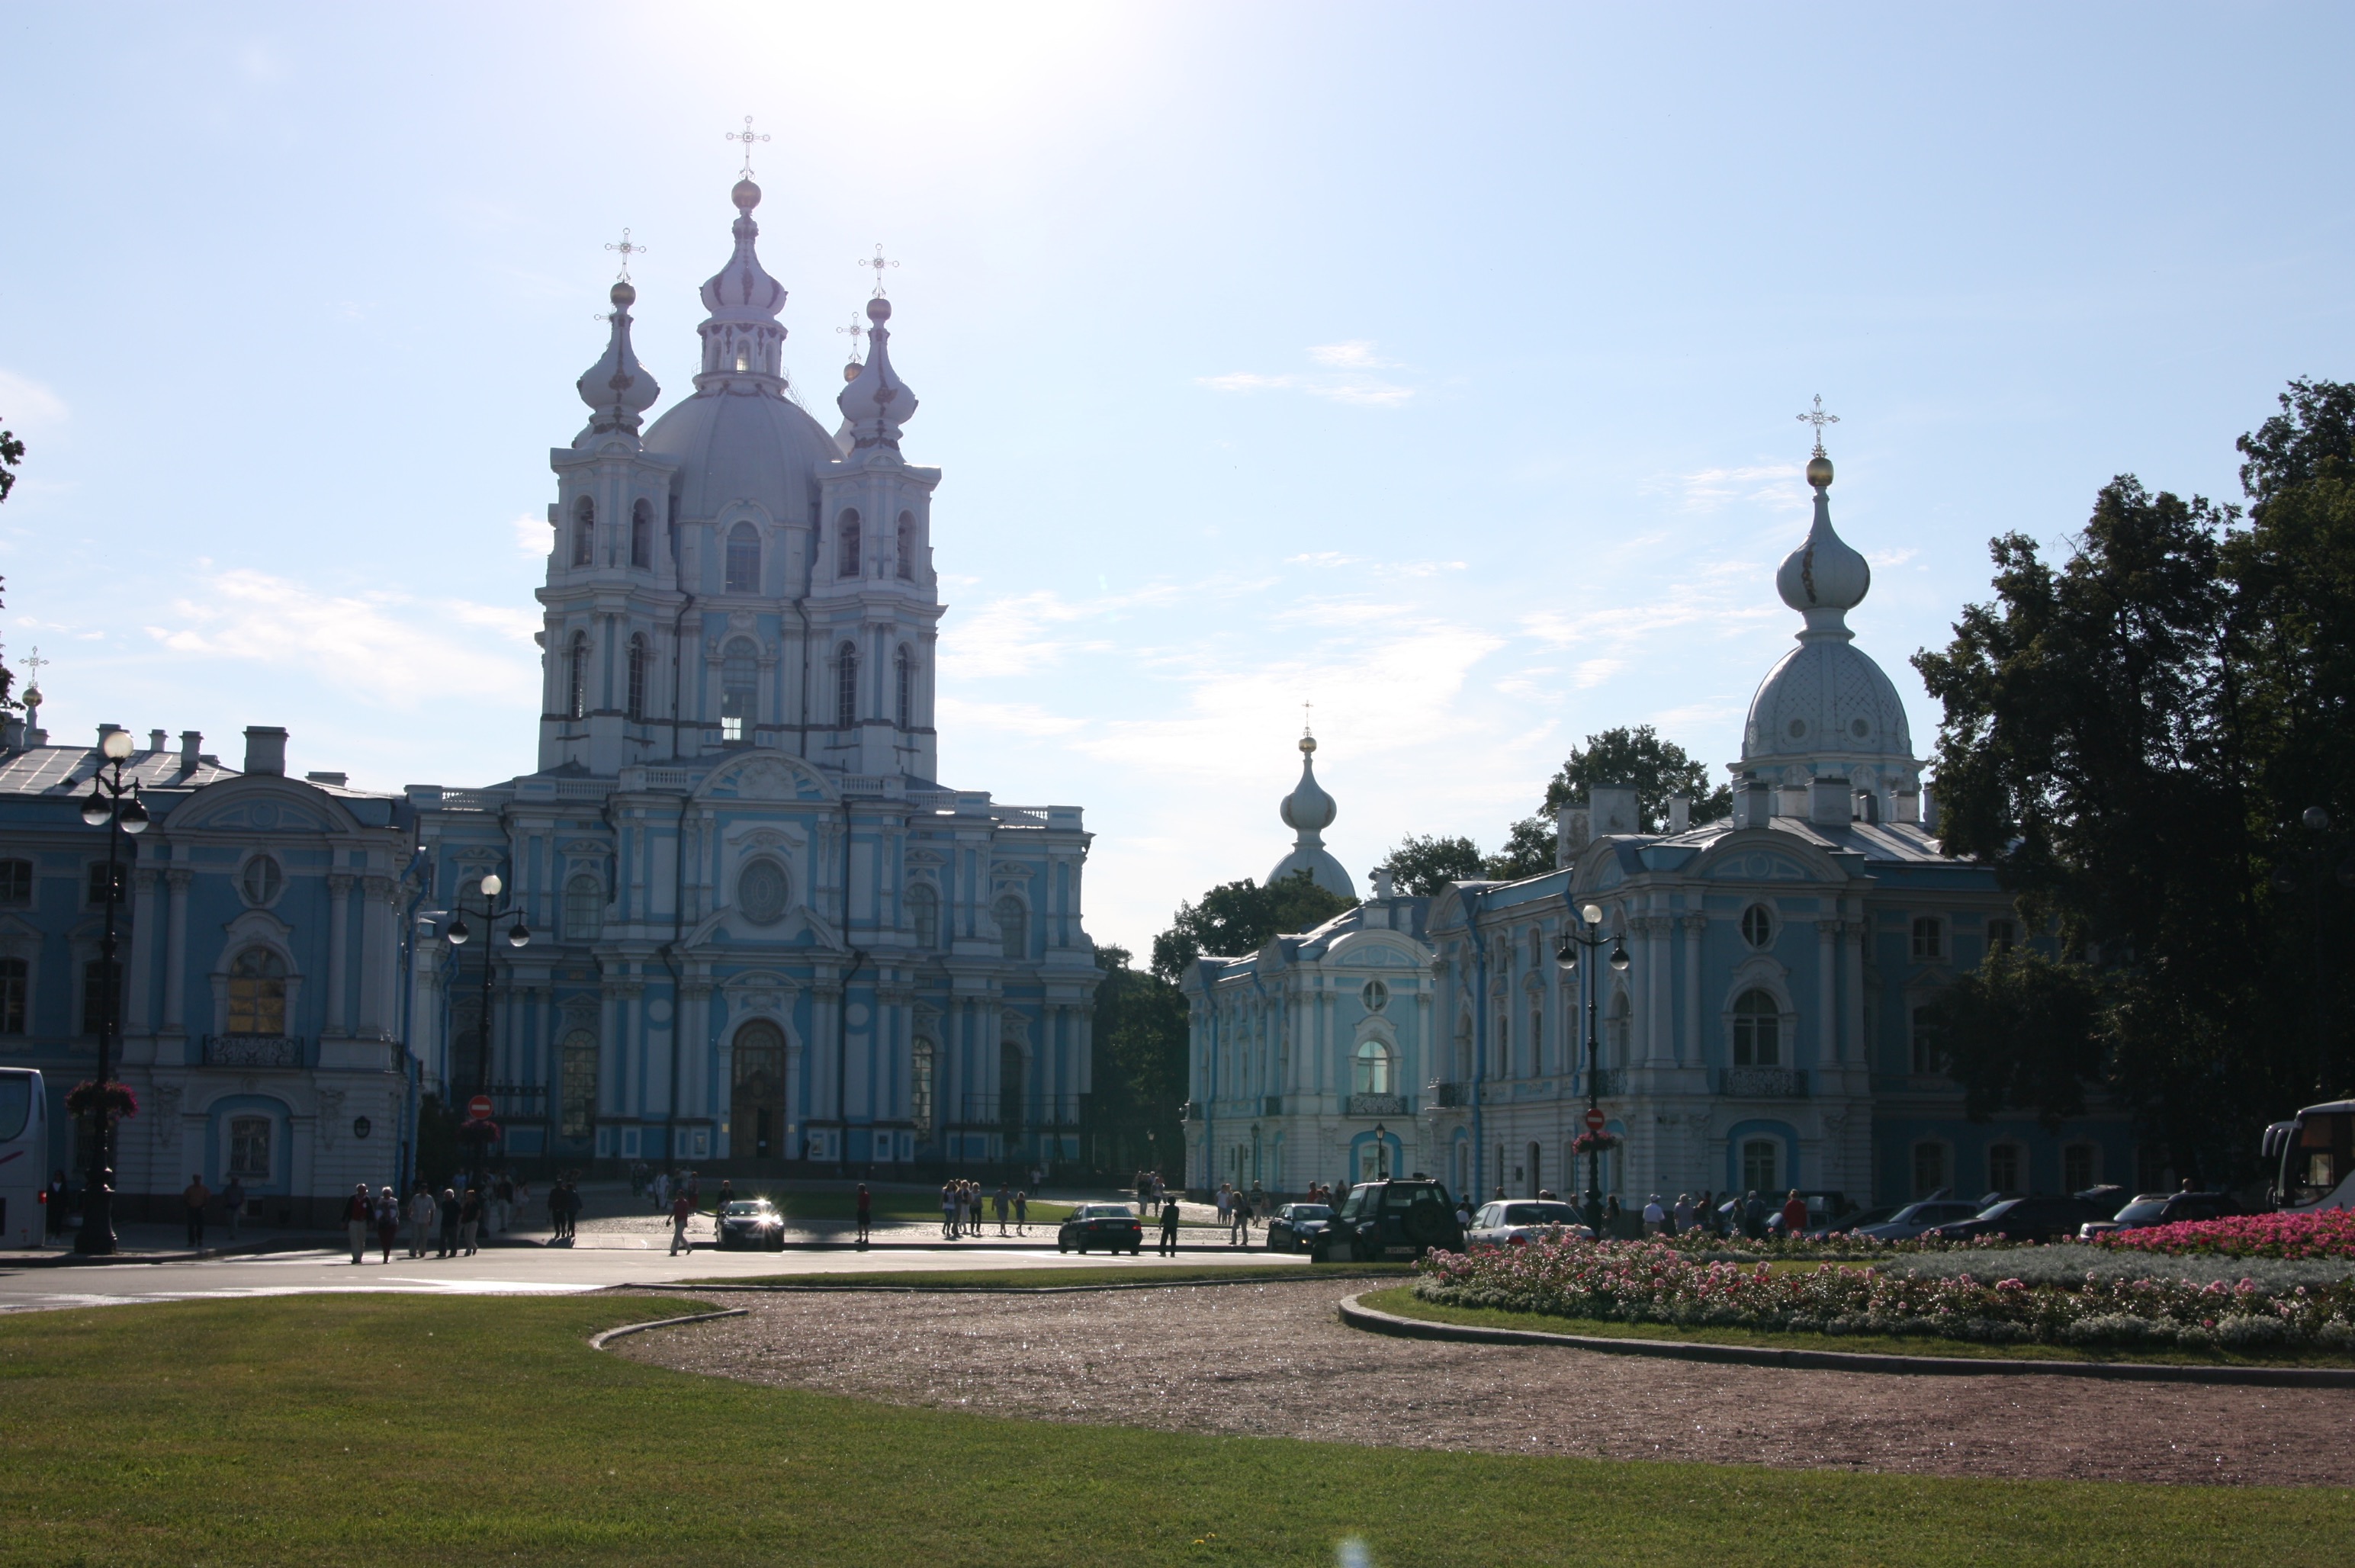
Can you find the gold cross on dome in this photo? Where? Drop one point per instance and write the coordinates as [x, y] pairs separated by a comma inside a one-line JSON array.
[[747, 138], [857, 336], [33, 665], [1305, 708], [879, 264], [1819, 419], [628, 250]]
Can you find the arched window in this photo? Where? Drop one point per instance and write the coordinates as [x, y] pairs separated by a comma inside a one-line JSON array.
[[1757, 1030], [577, 1088], [1757, 926], [257, 993], [761, 891], [249, 1147], [262, 880], [743, 559], [1762, 1167], [14, 978], [1013, 927], [642, 535], [2004, 1168], [576, 678], [925, 914], [846, 686], [584, 532], [846, 543], [637, 709], [903, 675], [15, 883], [920, 1089], [739, 691], [1620, 1025], [1372, 1074], [584, 908], [904, 548]]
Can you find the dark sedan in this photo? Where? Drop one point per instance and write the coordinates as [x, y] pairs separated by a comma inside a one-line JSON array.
[[751, 1222], [2022, 1219], [1115, 1227], [1295, 1225], [2164, 1209]]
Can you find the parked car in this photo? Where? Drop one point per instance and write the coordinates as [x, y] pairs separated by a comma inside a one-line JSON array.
[[2164, 1209], [1295, 1225], [1848, 1223], [2024, 1220], [749, 1222], [1914, 1219], [1397, 1219], [1513, 1222], [1112, 1226]]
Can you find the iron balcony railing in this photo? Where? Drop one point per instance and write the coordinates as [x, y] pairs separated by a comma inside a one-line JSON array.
[[1451, 1095], [1609, 1082], [262, 1051], [1762, 1083], [1376, 1105]]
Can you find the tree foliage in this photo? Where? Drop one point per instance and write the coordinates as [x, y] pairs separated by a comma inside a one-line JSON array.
[[1423, 867], [2132, 738], [1236, 918], [1140, 1065], [12, 452], [2019, 1030], [1657, 768]]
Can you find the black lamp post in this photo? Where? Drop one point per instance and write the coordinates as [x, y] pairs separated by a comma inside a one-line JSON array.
[[517, 935], [1382, 1152], [1584, 928], [115, 801]]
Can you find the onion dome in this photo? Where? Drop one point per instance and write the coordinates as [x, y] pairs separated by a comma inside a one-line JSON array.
[[876, 402], [617, 388], [1824, 578], [742, 342], [1308, 811]]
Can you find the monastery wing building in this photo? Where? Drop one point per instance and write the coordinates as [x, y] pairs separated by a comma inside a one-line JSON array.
[[1762, 1036], [763, 934]]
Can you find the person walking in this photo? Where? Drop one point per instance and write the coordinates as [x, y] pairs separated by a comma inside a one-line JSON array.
[[387, 1223], [1795, 1216], [863, 1207], [233, 1204], [502, 1203], [359, 1215], [446, 1213], [1168, 1227], [1004, 1204], [948, 1210], [1022, 1213], [1654, 1216], [1611, 1218], [469, 1219], [682, 1209], [422, 1212], [728, 1196], [1239, 1230], [193, 1198], [57, 1204], [1753, 1215], [1226, 1201]]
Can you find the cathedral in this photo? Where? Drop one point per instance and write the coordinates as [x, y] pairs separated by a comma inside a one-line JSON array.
[[1761, 1035], [761, 934]]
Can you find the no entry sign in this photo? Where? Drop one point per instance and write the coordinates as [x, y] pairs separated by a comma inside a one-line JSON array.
[[1593, 1119], [479, 1108]]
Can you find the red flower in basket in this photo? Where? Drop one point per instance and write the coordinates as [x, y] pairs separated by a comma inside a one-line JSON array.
[[1595, 1143], [118, 1099]]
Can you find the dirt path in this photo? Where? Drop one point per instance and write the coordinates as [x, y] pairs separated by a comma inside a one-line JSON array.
[[1272, 1359]]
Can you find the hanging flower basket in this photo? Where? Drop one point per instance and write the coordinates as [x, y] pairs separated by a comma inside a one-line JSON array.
[[1595, 1143], [479, 1131], [89, 1094]]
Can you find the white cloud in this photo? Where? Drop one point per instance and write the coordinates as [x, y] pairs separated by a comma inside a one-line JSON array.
[[1343, 379], [25, 401], [531, 534], [1592, 673], [1779, 485], [1014, 718], [1358, 354], [1891, 557]]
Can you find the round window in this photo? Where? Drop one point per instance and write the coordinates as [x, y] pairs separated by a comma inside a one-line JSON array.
[[1859, 728], [761, 893], [1757, 926], [1377, 995], [262, 880], [1799, 727]]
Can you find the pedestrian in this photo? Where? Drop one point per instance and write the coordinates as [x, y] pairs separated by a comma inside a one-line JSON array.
[[1753, 1215], [572, 1207], [1003, 1203], [503, 1194], [1794, 1215], [948, 1210], [1238, 1232], [469, 1219], [523, 1195], [1022, 1213], [57, 1204], [1611, 1216], [1654, 1216], [387, 1222], [864, 1206], [1168, 1227], [1226, 1201], [728, 1196], [682, 1209], [1680, 1219], [359, 1215], [422, 1213], [695, 1188], [193, 1198], [662, 1191], [233, 1203], [448, 1207]]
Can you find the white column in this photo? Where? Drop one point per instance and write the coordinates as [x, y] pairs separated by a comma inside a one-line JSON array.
[[176, 951], [138, 981], [339, 889], [377, 976], [1828, 1021], [1854, 1052], [1659, 1045], [1695, 926]]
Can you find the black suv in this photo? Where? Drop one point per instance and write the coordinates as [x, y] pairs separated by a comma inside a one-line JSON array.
[[2022, 1219], [1390, 1219]]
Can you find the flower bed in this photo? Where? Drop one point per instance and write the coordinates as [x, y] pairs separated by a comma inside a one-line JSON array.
[[2315, 1233], [1643, 1281], [2070, 1265]]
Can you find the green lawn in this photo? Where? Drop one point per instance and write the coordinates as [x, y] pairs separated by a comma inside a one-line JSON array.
[[1402, 1302], [1081, 1274], [387, 1430]]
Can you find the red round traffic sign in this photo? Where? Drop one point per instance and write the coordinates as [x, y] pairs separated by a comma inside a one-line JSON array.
[[479, 1108], [1594, 1118]]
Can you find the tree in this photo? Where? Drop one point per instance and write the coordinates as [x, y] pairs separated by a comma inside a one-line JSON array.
[[1657, 768], [2021, 1030], [1140, 1039], [1236, 918], [1423, 867], [1528, 852], [12, 452]]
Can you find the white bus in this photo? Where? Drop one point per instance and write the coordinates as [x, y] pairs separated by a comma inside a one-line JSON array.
[[2311, 1160], [24, 1149]]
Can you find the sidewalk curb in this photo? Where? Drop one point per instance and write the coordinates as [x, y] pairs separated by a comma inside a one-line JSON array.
[[1357, 1315], [816, 1286], [598, 1341], [69, 1258]]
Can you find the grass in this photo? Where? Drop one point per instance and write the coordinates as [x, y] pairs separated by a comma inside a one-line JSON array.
[[389, 1430], [1083, 1274], [1403, 1303]]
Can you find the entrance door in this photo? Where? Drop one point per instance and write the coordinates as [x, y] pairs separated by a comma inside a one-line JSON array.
[[756, 1107]]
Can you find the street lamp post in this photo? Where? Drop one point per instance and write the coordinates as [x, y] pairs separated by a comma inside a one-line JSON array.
[[1382, 1152], [517, 935], [1584, 928], [115, 801]]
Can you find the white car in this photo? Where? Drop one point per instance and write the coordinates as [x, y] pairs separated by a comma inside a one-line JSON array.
[[1511, 1223]]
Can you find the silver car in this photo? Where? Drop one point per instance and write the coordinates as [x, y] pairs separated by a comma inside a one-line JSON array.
[[1910, 1221], [1512, 1222]]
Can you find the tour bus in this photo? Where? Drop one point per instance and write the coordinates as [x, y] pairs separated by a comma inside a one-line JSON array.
[[2311, 1159], [24, 1146]]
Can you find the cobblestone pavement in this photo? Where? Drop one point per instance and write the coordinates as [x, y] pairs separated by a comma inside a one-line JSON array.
[[1272, 1359]]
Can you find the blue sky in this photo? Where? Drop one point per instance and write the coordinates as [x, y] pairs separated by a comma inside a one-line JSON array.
[[1434, 364]]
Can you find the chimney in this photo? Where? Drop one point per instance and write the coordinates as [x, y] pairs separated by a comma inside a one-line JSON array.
[[192, 748], [1679, 813], [1791, 800], [1754, 802], [1382, 882], [155, 739], [1569, 835], [1830, 805], [1868, 806], [265, 749], [1909, 802], [1611, 809]]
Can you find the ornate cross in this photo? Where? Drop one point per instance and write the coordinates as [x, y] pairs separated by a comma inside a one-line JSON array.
[[747, 138], [33, 663], [857, 336], [627, 250], [879, 264], [1819, 419], [1303, 716]]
